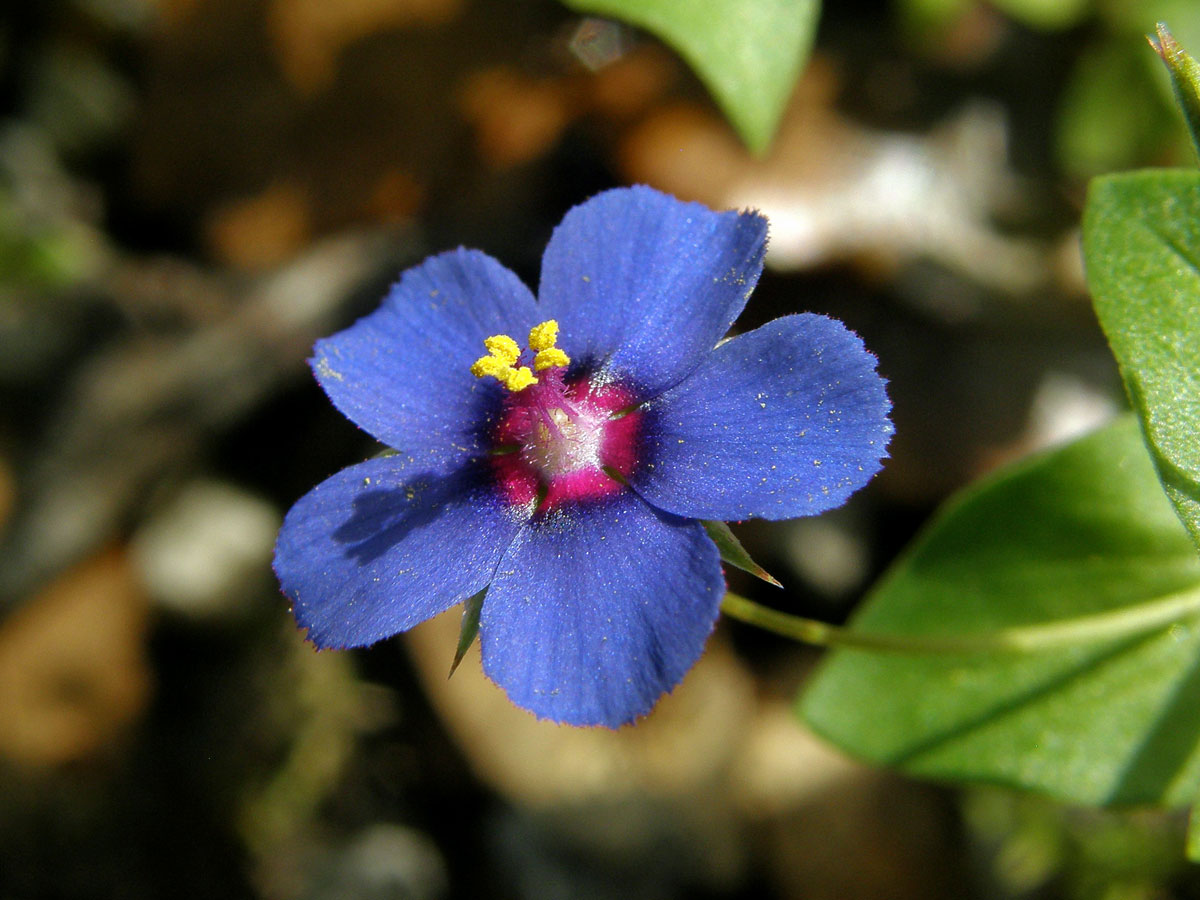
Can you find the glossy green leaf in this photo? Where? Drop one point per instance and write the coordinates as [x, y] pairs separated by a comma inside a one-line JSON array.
[[1082, 531], [748, 53], [734, 553], [1141, 234]]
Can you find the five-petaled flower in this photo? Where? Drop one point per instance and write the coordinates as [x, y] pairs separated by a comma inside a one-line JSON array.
[[569, 477]]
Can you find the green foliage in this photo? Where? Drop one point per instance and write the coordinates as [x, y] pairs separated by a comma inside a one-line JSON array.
[[1118, 107], [1104, 717], [469, 630], [1185, 78], [1037, 848], [733, 553], [1142, 245], [1082, 537], [748, 52]]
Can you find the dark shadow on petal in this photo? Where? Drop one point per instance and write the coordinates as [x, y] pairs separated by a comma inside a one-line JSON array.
[[382, 517]]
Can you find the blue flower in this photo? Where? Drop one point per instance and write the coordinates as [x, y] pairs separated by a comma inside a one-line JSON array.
[[569, 477]]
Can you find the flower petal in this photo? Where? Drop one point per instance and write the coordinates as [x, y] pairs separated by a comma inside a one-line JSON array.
[[600, 608], [381, 546], [643, 285], [403, 372], [787, 420]]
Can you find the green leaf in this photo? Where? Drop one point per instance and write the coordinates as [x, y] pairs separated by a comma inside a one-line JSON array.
[[734, 553], [748, 53], [1141, 237], [469, 629], [1081, 531]]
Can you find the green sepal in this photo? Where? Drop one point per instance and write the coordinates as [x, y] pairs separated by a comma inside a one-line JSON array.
[[470, 628], [734, 553], [1185, 78]]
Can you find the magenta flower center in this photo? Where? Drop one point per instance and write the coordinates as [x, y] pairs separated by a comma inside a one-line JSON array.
[[557, 441]]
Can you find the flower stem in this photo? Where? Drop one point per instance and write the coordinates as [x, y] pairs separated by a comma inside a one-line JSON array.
[[1124, 622]]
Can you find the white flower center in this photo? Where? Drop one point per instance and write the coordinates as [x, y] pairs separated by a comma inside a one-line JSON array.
[[561, 443]]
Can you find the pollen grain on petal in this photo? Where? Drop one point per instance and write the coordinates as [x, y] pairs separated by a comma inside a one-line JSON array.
[[325, 370], [543, 336]]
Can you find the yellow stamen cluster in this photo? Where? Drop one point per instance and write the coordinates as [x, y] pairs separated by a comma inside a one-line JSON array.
[[542, 337], [503, 348], [550, 358], [503, 353], [515, 378], [541, 341]]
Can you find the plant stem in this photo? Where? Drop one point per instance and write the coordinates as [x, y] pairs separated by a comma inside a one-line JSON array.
[[1127, 621]]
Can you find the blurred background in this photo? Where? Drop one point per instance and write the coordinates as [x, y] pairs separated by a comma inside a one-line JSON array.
[[192, 191]]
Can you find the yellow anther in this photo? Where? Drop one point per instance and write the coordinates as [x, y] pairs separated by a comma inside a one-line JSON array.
[[517, 379], [490, 365], [503, 353], [503, 348], [542, 337], [551, 357]]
